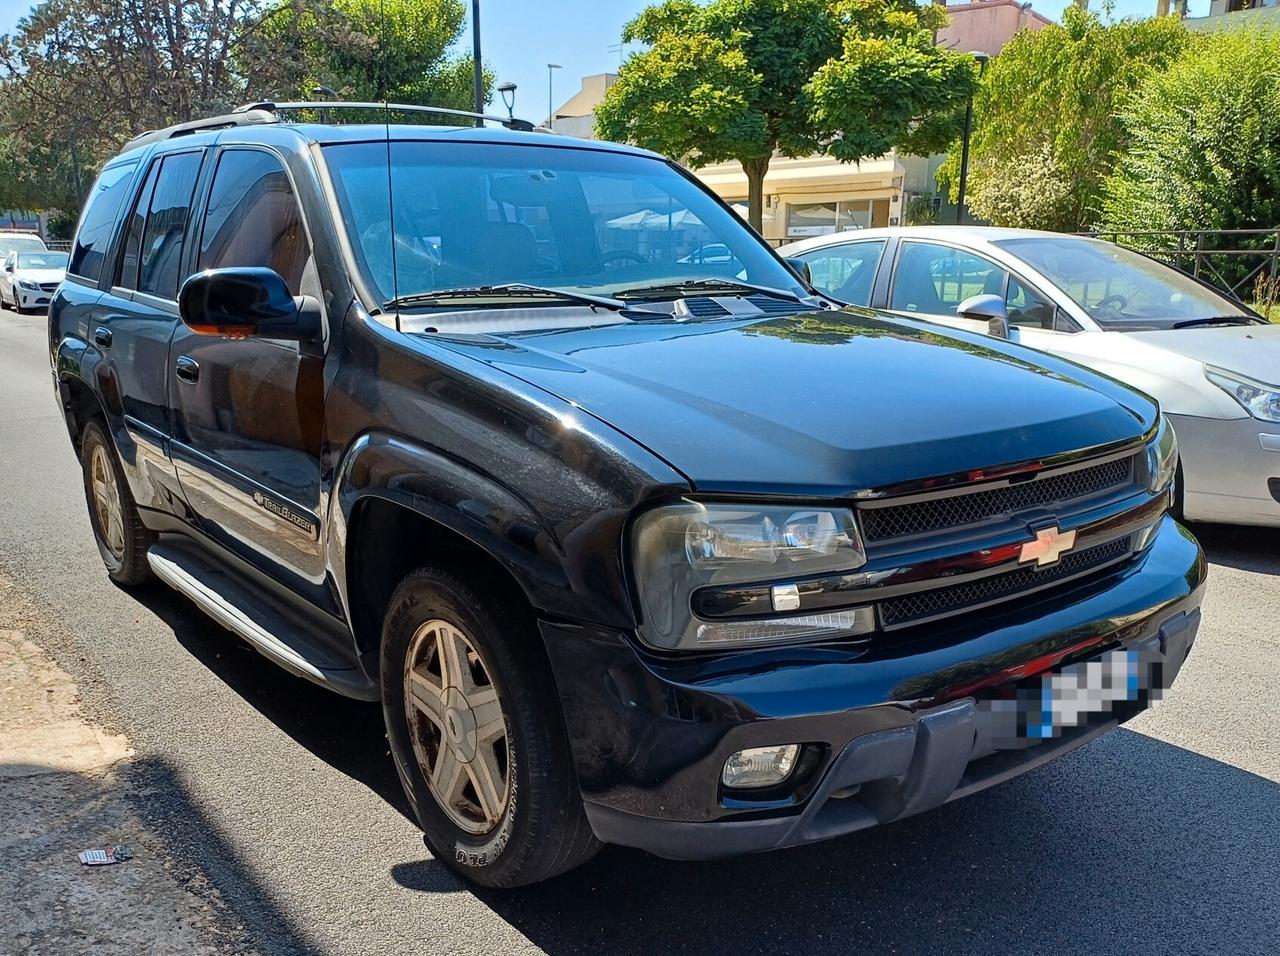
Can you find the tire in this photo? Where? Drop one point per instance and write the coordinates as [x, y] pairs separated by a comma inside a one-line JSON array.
[[532, 826], [121, 537]]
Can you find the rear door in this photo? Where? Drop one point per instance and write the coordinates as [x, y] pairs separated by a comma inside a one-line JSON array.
[[846, 271], [248, 415], [135, 319]]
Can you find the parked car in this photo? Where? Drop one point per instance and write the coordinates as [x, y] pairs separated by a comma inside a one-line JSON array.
[[12, 241], [1212, 364], [29, 279], [630, 550]]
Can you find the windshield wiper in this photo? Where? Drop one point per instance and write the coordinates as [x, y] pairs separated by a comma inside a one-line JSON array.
[[509, 290], [704, 286], [1221, 320]]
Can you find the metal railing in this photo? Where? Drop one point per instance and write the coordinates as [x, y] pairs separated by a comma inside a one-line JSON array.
[[1232, 260]]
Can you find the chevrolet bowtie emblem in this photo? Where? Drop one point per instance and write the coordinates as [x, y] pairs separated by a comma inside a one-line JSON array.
[[1050, 545]]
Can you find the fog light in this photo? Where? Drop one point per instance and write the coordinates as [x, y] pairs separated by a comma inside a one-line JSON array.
[[760, 766]]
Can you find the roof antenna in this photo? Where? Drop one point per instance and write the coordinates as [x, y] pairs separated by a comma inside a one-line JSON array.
[[386, 125]]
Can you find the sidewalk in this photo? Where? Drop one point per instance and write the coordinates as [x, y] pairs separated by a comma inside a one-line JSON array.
[[62, 790]]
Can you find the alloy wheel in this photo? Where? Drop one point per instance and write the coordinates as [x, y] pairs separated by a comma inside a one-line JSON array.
[[457, 726], [106, 501]]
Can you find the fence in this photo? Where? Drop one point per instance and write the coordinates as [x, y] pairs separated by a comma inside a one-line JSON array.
[[59, 245], [1233, 260]]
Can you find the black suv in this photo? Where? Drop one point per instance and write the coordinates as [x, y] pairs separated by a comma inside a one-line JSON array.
[[635, 544]]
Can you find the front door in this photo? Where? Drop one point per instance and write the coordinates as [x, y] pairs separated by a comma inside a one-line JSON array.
[[248, 415]]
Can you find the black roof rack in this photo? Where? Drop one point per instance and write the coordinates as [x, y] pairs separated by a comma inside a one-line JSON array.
[[266, 111]]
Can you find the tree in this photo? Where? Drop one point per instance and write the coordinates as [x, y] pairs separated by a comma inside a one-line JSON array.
[[1204, 141], [366, 50], [1048, 111], [745, 79]]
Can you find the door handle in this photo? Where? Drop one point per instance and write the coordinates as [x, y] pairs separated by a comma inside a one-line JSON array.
[[102, 337], [188, 369]]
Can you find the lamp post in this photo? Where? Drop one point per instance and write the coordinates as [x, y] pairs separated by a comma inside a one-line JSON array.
[[982, 59], [551, 68], [508, 92], [477, 67]]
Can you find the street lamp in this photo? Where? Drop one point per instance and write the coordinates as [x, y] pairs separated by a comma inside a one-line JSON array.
[[551, 68], [508, 91], [982, 59]]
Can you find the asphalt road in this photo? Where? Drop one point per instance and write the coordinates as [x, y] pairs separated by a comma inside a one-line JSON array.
[[1163, 836]]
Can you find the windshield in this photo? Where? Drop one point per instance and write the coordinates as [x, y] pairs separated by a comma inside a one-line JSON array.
[[10, 244], [588, 221], [42, 260], [1120, 289]]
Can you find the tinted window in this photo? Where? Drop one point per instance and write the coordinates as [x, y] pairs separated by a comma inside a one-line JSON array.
[[127, 276], [253, 218], [98, 220], [846, 272], [160, 255], [934, 279], [469, 215]]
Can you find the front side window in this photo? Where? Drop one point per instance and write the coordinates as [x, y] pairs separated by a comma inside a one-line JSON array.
[[1026, 308], [253, 218], [468, 215], [1120, 289], [846, 272], [98, 221], [933, 279]]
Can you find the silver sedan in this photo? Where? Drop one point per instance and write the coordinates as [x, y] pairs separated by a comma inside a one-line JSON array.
[[1211, 363]]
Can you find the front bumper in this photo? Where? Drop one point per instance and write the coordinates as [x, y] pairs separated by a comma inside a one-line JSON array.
[[891, 727], [1230, 469], [28, 299]]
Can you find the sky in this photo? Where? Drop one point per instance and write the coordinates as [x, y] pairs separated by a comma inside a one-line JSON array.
[[520, 37]]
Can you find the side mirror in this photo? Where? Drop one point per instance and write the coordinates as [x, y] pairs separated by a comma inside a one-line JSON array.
[[247, 301], [988, 308], [800, 268]]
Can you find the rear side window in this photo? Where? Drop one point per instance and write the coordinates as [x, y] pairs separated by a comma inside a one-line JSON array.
[[98, 221], [253, 218], [846, 272], [160, 253]]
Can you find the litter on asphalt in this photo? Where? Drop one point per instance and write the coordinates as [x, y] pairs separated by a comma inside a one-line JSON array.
[[112, 854]]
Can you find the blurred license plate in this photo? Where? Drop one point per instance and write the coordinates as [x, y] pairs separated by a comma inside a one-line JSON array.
[[1072, 695]]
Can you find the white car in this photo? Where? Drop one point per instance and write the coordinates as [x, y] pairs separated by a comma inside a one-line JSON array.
[[1213, 365], [28, 280]]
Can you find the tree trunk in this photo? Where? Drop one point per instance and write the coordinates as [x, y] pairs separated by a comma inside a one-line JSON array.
[[755, 170]]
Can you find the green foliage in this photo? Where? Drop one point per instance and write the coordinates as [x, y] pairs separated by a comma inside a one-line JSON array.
[[1049, 104], [919, 211], [745, 79], [1205, 141], [1027, 191], [366, 50]]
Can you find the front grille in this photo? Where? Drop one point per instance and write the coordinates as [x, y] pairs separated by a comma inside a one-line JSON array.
[[49, 286], [954, 511], [923, 605]]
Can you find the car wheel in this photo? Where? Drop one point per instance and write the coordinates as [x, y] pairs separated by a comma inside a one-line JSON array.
[[121, 536], [477, 734]]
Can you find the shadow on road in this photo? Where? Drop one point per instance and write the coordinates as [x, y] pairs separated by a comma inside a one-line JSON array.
[[1128, 843], [1248, 549]]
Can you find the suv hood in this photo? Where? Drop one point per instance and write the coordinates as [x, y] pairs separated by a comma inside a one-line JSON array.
[[821, 405], [1252, 350]]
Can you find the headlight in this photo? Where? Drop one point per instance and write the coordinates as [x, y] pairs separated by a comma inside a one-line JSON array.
[[682, 548], [1161, 458], [29, 285], [1259, 400]]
